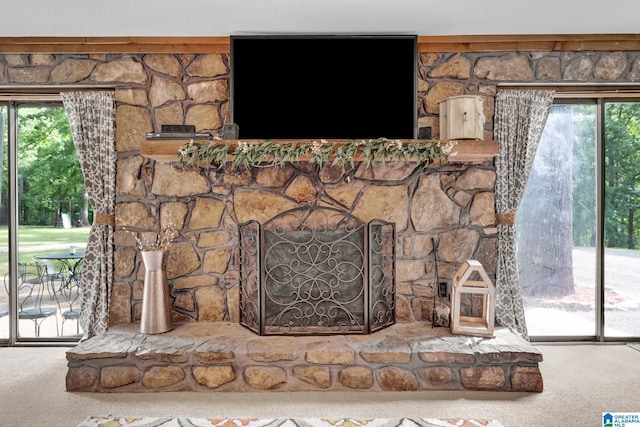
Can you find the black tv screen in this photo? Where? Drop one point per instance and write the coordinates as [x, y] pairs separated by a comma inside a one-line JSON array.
[[324, 87]]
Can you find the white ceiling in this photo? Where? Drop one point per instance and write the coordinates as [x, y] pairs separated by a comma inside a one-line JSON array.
[[22, 18]]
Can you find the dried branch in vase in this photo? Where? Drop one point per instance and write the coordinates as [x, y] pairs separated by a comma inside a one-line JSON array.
[[152, 241]]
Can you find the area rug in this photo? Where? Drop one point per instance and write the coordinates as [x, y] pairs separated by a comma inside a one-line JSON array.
[[142, 421]]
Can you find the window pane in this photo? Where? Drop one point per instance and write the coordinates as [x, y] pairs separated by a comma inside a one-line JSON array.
[[622, 225], [51, 208], [556, 227], [4, 233]]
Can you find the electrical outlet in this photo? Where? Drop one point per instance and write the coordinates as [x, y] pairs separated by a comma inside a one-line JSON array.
[[443, 290]]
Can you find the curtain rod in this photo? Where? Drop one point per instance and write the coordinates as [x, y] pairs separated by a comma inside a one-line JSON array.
[[62, 87], [44, 90], [568, 84], [49, 92], [581, 89], [30, 97], [575, 87]]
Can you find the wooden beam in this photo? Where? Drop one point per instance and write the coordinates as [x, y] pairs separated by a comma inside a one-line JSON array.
[[96, 45], [531, 42], [221, 44], [465, 151]]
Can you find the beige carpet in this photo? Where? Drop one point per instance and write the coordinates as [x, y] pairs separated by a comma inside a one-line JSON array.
[[580, 383], [132, 421]]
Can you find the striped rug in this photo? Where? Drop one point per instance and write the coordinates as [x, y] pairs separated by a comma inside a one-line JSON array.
[[143, 421]]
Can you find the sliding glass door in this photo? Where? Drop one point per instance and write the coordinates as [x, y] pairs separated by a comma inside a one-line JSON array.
[[577, 233], [43, 223], [621, 188]]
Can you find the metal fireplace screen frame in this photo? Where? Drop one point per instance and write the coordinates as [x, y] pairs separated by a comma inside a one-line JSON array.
[[317, 271]]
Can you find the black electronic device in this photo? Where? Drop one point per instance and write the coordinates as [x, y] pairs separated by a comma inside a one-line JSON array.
[[324, 86]]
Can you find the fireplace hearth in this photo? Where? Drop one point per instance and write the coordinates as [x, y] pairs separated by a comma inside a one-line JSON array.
[[317, 271], [225, 357]]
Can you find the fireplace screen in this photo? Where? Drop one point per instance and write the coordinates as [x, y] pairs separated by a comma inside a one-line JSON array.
[[316, 271]]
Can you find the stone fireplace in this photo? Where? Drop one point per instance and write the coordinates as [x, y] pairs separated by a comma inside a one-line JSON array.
[[316, 271], [442, 214], [451, 206]]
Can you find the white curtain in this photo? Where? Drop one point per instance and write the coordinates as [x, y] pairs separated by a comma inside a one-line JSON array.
[[92, 119], [520, 116]]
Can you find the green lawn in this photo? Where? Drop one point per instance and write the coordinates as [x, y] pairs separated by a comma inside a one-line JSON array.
[[31, 235], [36, 240]]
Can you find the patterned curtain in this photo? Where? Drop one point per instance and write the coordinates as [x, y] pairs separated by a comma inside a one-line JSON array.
[[92, 119], [520, 116]]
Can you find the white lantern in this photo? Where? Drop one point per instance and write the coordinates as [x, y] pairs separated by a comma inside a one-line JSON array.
[[461, 117], [473, 300]]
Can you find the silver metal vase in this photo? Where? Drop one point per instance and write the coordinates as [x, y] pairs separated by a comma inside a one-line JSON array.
[[156, 307]]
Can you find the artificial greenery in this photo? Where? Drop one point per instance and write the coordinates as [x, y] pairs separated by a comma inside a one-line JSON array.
[[267, 152]]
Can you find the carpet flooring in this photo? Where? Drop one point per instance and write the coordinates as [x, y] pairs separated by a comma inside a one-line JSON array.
[[143, 421]]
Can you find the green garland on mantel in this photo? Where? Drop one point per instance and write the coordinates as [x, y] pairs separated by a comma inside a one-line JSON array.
[[260, 153]]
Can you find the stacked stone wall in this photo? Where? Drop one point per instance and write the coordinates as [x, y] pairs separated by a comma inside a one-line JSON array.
[[452, 205]]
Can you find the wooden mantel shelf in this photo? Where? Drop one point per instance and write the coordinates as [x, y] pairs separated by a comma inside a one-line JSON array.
[[465, 151]]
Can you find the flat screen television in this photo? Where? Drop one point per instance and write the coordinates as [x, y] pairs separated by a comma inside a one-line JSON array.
[[324, 87]]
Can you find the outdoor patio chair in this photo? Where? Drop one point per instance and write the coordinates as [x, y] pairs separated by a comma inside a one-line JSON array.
[[31, 288], [51, 275], [4, 309], [68, 298]]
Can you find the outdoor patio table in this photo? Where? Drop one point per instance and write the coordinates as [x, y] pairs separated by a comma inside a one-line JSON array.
[[67, 261]]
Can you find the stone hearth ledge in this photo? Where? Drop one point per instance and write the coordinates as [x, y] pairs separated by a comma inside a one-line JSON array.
[[222, 356]]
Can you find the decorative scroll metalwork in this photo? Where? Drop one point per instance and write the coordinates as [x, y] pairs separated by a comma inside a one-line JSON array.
[[382, 275], [249, 256], [305, 273]]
